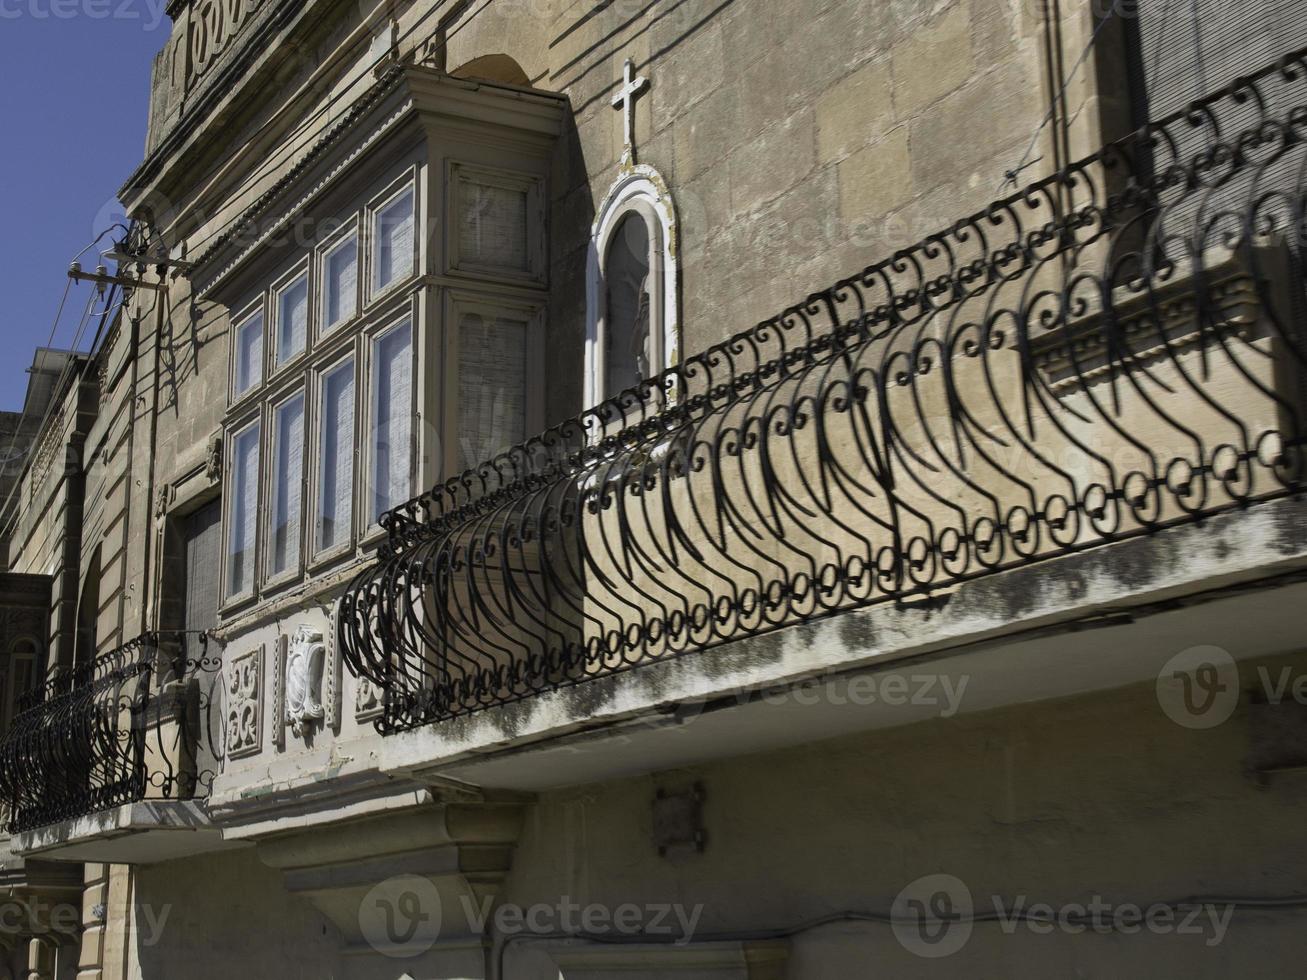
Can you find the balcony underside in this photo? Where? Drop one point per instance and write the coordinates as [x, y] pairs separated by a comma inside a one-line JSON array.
[[135, 833]]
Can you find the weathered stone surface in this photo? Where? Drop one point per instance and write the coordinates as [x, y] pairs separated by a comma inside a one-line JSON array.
[[775, 161], [876, 180], [855, 111], [689, 72], [933, 61], [964, 130]]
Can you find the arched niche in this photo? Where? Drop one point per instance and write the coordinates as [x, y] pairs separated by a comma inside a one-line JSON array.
[[637, 213]]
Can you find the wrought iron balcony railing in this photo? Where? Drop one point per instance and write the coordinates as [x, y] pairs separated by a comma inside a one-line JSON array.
[[131, 725], [1115, 349]]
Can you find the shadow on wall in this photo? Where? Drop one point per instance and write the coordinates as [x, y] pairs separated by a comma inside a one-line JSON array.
[[493, 68], [227, 915]]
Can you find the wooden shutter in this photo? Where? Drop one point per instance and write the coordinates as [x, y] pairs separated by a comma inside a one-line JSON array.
[[1188, 48], [203, 556]]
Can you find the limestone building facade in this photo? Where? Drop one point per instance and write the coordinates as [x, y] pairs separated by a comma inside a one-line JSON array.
[[706, 488]]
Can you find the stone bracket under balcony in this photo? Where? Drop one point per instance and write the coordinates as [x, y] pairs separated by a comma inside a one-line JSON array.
[[134, 833]]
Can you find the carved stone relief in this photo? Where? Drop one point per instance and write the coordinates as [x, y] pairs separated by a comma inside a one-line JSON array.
[[244, 704], [213, 462], [368, 703], [306, 683], [306, 657]]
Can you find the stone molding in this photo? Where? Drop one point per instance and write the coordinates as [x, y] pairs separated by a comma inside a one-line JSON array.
[[462, 850], [751, 960], [491, 114], [1078, 351]]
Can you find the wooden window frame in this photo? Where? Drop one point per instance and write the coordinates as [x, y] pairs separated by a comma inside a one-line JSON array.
[[272, 579], [230, 599], [460, 174], [322, 557]]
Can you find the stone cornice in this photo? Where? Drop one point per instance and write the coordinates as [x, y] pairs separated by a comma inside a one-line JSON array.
[[252, 60], [484, 110], [296, 172]]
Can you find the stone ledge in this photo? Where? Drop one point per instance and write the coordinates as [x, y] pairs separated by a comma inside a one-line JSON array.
[[135, 833]]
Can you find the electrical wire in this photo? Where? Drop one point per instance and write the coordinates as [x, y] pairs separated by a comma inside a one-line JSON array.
[[1011, 176], [66, 373]]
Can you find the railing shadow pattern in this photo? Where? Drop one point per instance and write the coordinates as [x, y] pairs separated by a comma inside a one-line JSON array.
[[1113, 350], [134, 724]]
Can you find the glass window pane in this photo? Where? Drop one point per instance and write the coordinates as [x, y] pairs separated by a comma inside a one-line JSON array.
[[249, 354], [336, 459], [491, 386], [394, 236], [287, 485], [627, 359], [243, 511], [292, 319], [392, 412], [341, 283]]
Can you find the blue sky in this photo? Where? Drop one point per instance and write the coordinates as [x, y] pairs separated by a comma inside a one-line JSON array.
[[74, 95]]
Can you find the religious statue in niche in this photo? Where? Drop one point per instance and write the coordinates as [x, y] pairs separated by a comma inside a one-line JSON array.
[[306, 656], [628, 360]]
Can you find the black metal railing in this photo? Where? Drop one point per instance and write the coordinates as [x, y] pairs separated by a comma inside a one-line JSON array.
[[134, 724], [1113, 350]]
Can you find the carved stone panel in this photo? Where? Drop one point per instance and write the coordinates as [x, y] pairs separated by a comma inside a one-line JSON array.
[[244, 704], [306, 659], [368, 703], [331, 696], [279, 693]]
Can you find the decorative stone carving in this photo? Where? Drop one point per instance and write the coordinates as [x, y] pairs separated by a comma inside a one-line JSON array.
[[306, 656], [331, 697], [368, 703], [162, 501], [213, 462], [213, 25], [244, 704]]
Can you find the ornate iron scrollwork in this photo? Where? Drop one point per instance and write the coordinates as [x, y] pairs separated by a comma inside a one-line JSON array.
[[1113, 350], [136, 723]]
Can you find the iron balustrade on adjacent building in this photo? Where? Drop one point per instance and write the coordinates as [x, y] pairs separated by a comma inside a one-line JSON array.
[[1116, 349], [133, 724]]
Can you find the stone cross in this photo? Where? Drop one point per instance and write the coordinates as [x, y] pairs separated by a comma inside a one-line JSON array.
[[632, 86]]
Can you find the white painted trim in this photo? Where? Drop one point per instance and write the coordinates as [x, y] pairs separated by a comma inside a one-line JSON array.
[[643, 191]]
